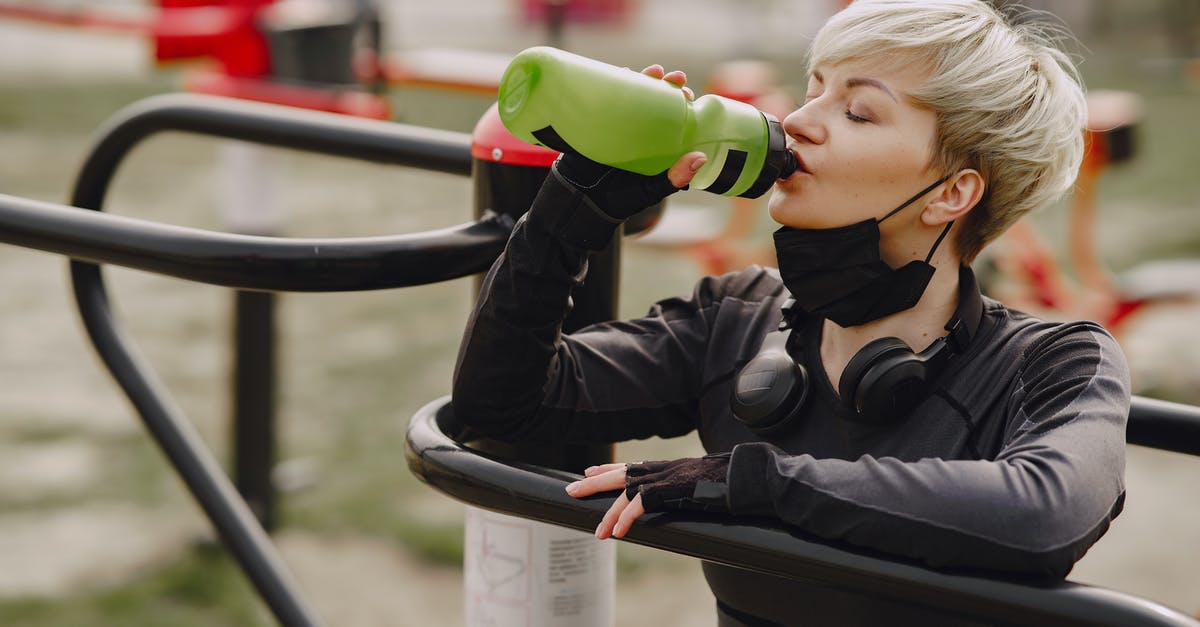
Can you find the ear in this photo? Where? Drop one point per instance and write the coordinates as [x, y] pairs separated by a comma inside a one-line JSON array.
[[959, 195]]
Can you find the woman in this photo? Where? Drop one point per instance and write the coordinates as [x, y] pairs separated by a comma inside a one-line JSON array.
[[928, 128]]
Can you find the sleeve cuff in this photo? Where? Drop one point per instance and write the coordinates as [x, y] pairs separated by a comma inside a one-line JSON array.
[[749, 490], [567, 214]]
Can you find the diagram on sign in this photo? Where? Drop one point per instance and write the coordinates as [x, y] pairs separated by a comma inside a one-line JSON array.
[[504, 553], [499, 559]]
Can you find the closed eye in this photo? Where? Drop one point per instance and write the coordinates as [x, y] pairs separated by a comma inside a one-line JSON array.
[[857, 119]]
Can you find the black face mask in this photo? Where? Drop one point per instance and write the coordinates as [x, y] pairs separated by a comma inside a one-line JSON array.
[[838, 273]]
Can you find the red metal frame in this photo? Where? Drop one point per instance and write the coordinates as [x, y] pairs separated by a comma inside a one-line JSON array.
[[226, 33], [223, 30], [1091, 293]]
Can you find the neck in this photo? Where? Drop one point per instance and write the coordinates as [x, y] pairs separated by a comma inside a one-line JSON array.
[[918, 326]]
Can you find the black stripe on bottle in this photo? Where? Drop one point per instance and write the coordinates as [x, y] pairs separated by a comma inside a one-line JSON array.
[[735, 160], [550, 138]]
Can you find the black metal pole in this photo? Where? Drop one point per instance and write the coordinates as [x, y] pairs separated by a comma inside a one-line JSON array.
[[263, 124], [254, 393], [556, 17], [198, 468]]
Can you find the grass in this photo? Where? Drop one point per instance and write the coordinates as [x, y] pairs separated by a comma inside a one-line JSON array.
[[202, 589]]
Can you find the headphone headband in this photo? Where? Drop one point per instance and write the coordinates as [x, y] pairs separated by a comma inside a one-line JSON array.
[[965, 322], [881, 382]]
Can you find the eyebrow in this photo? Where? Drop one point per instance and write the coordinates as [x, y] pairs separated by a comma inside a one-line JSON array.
[[860, 82], [870, 82]]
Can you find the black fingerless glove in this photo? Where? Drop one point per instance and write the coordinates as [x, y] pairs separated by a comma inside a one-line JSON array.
[[618, 193], [694, 484]]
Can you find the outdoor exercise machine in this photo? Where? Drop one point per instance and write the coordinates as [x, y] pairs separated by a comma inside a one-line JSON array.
[[1028, 274], [325, 55], [478, 473], [300, 54], [319, 55]]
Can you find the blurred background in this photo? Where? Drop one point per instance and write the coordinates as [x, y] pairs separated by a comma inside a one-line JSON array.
[[96, 530]]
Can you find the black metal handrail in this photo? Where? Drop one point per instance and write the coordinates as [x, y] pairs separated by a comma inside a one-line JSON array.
[[340, 263], [269, 125], [538, 493], [249, 262], [1164, 425]]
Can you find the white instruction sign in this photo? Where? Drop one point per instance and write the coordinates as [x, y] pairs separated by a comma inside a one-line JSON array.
[[523, 573]]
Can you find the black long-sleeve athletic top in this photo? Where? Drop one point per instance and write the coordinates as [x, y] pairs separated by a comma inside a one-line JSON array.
[[1013, 463]]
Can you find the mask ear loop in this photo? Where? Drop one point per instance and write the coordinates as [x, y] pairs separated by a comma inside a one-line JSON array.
[[914, 198], [910, 201], [941, 237]]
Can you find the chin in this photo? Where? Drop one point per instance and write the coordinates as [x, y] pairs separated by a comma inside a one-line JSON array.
[[777, 209]]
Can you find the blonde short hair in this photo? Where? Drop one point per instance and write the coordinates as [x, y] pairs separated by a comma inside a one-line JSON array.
[[1009, 102]]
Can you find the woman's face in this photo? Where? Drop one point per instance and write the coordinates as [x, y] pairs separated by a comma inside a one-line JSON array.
[[864, 148]]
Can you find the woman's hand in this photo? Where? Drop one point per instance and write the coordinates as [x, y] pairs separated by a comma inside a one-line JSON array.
[[692, 484], [675, 77], [620, 194], [623, 512], [682, 172]]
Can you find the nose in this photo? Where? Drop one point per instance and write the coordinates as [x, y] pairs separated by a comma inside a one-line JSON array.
[[804, 125]]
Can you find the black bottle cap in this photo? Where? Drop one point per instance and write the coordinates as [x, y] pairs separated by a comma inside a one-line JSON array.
[[779, 163]]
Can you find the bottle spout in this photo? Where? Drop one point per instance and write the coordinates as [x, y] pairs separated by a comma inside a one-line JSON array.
[[788, 166]]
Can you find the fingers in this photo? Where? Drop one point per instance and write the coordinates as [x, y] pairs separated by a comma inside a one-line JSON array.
[[603, 479], [606, 477], [619, 517], [595, 470], [629, 514], [654, 71], [676, 77], [684, 170], [605, 528]]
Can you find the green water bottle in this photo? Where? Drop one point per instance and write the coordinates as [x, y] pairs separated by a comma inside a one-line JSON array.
[[634, 122]]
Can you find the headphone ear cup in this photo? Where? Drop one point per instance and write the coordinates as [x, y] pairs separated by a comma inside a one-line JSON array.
[[862, 362], [891, 387], [768, 392]]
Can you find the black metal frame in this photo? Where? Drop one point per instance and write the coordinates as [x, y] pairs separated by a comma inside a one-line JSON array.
[[765, 546], [241, 262]]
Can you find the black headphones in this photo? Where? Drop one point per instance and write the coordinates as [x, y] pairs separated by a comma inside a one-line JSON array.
[[881, 384]]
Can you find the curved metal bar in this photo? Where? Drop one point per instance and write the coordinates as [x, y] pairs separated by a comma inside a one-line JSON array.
[[249, 262], [538, 493], [199, 469], [263, 124], [269, 125], [1164, 425]]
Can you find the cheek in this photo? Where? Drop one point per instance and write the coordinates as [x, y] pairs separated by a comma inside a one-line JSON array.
[[875, 163], [865, 175]]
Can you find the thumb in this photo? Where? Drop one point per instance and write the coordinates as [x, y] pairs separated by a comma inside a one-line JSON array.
[[684, 170]]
